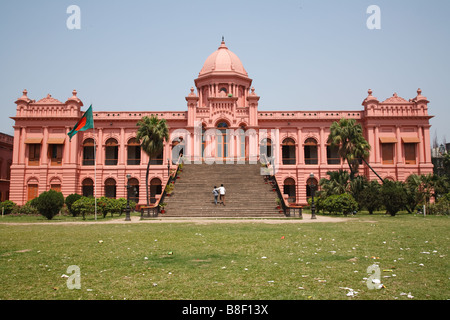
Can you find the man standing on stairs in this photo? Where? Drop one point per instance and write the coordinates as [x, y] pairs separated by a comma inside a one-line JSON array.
[[222, 194]]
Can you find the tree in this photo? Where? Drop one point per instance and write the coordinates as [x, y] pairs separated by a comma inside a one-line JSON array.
[[394, 196], [370, 197], [347, 135], [70, 199], [151, 133], [49, 203], [415, 194], [446, 164], [336, 184]]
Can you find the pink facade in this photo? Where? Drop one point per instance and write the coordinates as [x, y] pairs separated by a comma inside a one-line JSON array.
[[222, 123]]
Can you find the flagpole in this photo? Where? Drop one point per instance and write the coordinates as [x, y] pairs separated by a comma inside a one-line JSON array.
[[95, 169]]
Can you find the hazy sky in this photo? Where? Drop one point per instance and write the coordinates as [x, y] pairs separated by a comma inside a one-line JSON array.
[[301, 55]]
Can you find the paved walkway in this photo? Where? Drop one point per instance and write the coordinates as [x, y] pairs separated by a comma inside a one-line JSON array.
[[195, 220]]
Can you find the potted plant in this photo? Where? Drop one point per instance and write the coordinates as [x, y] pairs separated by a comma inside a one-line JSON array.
[[162, 205], [278, 201], [169, 189]]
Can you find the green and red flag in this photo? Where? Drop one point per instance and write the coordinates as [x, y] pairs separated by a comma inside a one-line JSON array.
[[86, 122]]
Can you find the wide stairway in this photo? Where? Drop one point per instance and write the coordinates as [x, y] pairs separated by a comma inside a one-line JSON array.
[[247, 195]]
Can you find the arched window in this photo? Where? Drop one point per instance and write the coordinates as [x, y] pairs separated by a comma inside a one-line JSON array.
[[222, 140], [88, 152], [311, 151], [289, 189], [155, 189], [315, 185], [110, 188], [55, 184], [87, 187], [288, 151], [111, 152], [134, 152], [134, 189], [333, 155], [33, 189], [265, 148], [178, 146]]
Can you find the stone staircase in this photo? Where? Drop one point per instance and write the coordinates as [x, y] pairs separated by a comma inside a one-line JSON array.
[[246, 193]]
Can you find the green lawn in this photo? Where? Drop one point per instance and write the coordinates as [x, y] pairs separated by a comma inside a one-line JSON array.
[[227, 261]]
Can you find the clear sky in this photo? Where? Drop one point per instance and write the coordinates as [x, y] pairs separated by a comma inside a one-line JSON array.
[[302, 55]]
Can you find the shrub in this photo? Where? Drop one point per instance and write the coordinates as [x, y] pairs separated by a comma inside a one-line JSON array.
[[50, 203], [25, 209], [370, 197], [394, 196], [84, 206], [8, 206], [70, 199], [440, 207], [342, 203]]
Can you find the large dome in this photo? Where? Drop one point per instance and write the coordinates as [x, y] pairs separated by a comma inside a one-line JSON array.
[[223, 61]]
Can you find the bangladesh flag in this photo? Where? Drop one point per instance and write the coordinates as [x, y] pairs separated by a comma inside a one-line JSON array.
[[86, 122]]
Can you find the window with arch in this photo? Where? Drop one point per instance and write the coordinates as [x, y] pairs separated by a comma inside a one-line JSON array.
[[243, 143], [32, 189], [134, 189], [178, 146], [310, 149], [55, 184], [110, 188], [265, 149], [289, 189], [133, 152], [155, 189], [111, 152], [87, 189], [311, 184], [88, 152], [288, 151], [333, 154], [222, 140]]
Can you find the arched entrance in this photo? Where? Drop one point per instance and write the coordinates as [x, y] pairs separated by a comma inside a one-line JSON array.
[[289, 189], [155, 189], [222, 140], [87, 188]]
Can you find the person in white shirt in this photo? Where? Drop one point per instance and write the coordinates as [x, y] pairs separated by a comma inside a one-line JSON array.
[[222, 194]]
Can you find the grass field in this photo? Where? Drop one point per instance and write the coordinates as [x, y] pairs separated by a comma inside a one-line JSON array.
[[232, 261]]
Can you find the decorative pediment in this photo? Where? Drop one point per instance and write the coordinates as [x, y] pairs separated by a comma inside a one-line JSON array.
[[49, 100], [395, 99]]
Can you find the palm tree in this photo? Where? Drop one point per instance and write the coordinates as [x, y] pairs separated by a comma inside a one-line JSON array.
[[348, 136], [151, 133], [336, 184]]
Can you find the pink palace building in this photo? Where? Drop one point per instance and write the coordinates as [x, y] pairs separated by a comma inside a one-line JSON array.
[[222, 124]]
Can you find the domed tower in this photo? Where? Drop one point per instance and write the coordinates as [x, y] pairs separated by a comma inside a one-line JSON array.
[[223, 89], [222, 75]]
